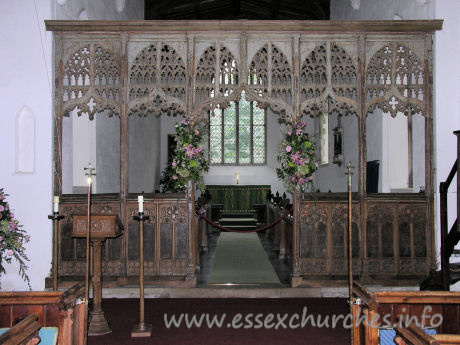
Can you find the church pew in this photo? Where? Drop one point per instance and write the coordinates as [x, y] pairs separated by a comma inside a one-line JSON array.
[[24, 332], [53, 309], [408, 304]]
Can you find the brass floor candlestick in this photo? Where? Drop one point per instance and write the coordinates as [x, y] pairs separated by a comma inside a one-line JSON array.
[[142, 329], [350, 248], [89, 175], [55, 217]]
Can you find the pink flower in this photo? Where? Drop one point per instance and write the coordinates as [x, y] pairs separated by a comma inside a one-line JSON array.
[[310, 178], [13, 225], [1, 238], [298, 131], [293, 178], [197, 132], [288, 148], [12, 215], [289, 133], [174, 164], [174, 177], [199, 149], [1, 208], [9, 252]]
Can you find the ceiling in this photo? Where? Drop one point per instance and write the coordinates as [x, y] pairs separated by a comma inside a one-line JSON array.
[[237, 9]]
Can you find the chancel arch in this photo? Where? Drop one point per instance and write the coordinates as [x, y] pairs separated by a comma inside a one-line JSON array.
[[344, 72]]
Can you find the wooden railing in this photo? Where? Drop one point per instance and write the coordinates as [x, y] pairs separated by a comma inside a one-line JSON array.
[[52, 308], [23, 333], [414, 335], [449, 238]]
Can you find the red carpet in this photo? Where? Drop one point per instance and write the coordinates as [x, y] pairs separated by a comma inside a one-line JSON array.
[[124, 313]]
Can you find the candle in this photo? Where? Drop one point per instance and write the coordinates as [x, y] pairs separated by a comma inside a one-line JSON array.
[[56, 204], [140, 199]]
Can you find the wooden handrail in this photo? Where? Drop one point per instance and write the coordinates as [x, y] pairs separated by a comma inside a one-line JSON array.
[[414, 335], [23, 333], [446, 251]]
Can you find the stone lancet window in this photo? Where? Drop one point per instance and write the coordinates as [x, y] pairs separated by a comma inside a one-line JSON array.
[[237, 134]]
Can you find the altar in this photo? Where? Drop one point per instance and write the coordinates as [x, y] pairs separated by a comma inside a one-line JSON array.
[[238, 198]]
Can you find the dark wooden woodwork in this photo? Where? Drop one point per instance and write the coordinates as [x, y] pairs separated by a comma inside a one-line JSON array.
[[52, 309], [167, 235], [394, 241], [134, 26]]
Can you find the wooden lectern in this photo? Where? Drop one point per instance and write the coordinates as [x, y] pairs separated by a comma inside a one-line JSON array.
[[102, 227]]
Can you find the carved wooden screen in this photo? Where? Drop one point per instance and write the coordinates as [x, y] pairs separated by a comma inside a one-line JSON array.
[[296, 69]]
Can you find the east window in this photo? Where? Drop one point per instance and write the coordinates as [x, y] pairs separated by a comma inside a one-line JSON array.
[[237, 134]]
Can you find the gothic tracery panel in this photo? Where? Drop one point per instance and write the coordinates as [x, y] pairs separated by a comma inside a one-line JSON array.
[[158, 81], [228, 72], [173, 73], [395, 80], [205, 76], [91, 81], [328, 81], [270, 79]]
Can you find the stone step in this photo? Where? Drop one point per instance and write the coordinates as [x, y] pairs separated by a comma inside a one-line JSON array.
[[237, 215]]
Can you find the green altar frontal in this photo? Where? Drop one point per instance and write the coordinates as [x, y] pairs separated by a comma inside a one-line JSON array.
[[238, 198]]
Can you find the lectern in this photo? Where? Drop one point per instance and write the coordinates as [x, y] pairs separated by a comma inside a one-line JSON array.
[[102, 227]]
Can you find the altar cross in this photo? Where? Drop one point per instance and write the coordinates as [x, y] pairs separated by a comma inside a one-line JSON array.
[[90, 173], [349, 172]]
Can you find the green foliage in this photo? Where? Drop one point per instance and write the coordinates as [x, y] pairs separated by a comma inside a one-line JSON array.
[[12, 239], [297, 158], [189, 160]]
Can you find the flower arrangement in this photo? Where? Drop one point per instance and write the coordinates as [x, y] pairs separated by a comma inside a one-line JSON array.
[[12, 239], [296, 158], [189, 159]]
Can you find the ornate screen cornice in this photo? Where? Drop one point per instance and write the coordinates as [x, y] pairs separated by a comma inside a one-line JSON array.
[[192, 67]]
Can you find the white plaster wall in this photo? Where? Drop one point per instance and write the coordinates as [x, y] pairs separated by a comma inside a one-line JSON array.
[[26, 80], [446, 73], [25, 69], [144, 153], [331, 176], [383, 9]]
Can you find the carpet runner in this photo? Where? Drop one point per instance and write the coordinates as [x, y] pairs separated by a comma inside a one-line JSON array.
[[241, 259]]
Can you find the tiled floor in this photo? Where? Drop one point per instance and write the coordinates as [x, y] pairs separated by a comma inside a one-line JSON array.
[[207, 259]]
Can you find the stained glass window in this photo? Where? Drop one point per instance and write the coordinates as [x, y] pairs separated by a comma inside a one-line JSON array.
[[237, 134]]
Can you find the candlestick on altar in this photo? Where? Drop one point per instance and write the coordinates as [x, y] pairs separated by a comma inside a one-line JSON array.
[[140, 200], [142, 329], [350, 247], [237, 174], [55, 217]]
